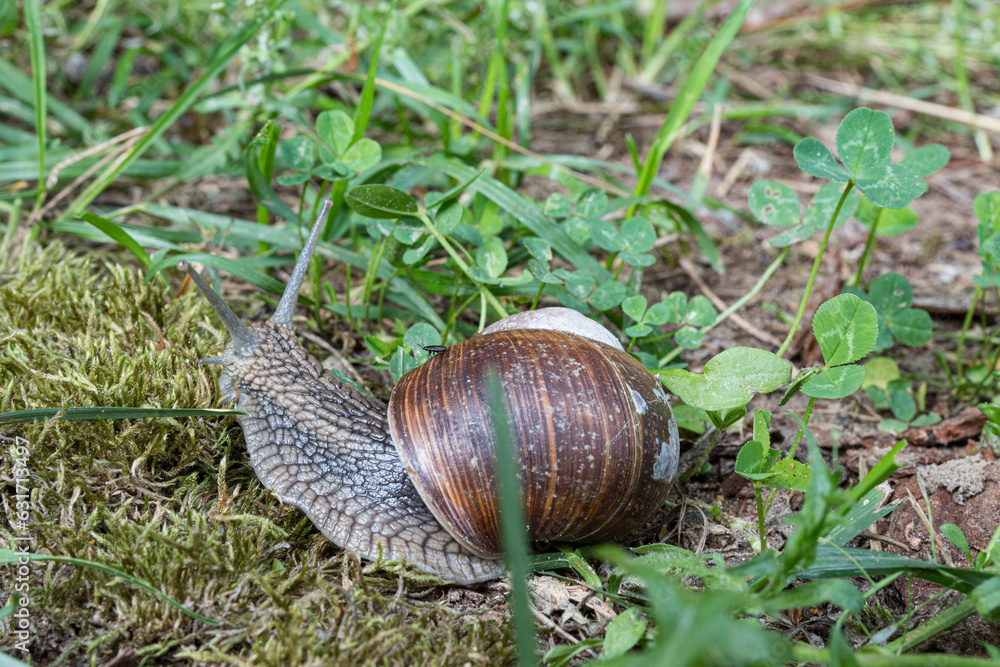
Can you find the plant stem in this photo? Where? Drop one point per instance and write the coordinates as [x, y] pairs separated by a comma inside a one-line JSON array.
[[791, 452], [815, 270], [372, 273], [440, 238], [802, 652], [866, 254], [538, 296], [965, 328], [805, 421], [695, 468], [760, 517], [933, 626], [739, 303]]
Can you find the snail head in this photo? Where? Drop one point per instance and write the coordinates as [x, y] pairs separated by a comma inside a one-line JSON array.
[[251, 346]]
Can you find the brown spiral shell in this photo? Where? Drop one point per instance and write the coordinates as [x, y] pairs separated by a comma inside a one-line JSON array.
[[595, 436]]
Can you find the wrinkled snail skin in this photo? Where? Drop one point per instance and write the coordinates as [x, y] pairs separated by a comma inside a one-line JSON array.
[[322, 447], [327, 449]]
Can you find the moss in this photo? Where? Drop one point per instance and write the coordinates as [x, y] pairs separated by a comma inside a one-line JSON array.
[[174, 501]]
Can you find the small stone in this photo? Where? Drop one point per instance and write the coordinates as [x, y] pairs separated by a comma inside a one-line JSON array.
[[964, 478]]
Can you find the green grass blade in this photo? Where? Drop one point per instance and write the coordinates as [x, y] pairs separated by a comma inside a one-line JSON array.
[[119, 235], [100, 57], [260, 182], [13, 556], [241, 268], [37, 48], [28, 169], [147, 237], [654, 62], [502, 103], [436, 95], [543, 33], [860, 516], [364, 109], [22, 87], [656, 26], [836, 562], [77, 414], [265, 165], [689, 94], [9, 661], [183, 102], [519, 207], [512, 524]]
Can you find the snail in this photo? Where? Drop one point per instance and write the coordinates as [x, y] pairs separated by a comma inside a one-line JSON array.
[[597, 440]]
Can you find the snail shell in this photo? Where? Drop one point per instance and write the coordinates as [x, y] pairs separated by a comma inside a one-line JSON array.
[[592, 429]]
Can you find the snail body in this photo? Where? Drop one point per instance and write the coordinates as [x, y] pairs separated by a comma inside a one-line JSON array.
[[596, 440]]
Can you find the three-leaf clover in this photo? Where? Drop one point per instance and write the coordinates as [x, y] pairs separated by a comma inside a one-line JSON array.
[[891, 295], [339, 155], [864, 143], [635, 239], [675, 308], [645, 318], [888, 390], [846, 329]]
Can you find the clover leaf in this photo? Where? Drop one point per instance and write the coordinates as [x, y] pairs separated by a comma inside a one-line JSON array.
[[777, 205], [864, 143], [892, 296], [846, 328], [730, 379]]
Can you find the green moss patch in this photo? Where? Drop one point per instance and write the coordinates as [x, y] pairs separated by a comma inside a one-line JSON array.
[[174, 501]]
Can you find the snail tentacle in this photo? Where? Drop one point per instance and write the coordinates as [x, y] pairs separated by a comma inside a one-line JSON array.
[[241, 333], [283, 313]]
